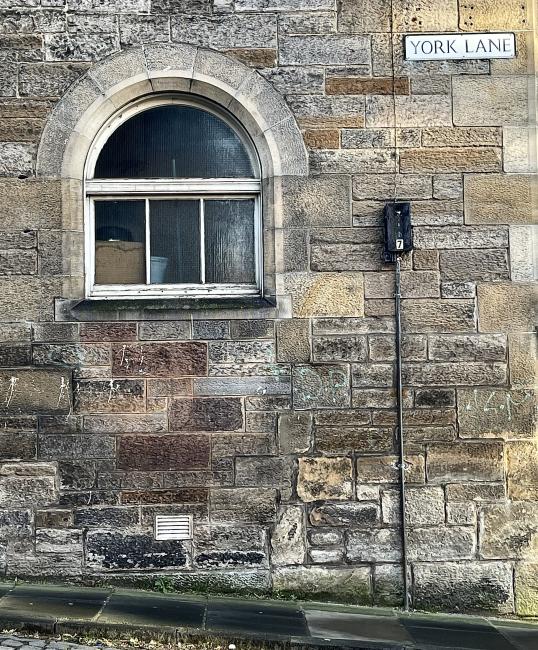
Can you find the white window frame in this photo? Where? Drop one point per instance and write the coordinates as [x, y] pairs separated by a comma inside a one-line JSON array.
[[171, 189]]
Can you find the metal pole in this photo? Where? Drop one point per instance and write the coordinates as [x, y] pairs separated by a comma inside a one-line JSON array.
[[399, 400]]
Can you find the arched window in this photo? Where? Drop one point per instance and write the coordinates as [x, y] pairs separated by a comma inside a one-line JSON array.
[[173, 203]]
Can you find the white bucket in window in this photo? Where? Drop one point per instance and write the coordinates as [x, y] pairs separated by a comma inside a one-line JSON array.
[[158, 269]]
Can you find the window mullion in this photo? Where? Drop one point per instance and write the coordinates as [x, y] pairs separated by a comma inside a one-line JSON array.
[[148, 246], [202, 241]]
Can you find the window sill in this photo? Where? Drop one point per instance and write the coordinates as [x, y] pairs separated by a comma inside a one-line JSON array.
[[107, 309]]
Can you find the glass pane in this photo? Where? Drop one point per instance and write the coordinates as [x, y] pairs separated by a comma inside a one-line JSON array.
[[175, 241], [174, 142], [229, 241], [120, 242]]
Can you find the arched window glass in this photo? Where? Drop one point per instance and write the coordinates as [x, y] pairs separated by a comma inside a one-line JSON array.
[[173, 198]]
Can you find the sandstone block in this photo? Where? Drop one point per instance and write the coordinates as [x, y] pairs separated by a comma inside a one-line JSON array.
[[262, 472], [365, 138], [451, 159], [116, 551], [243, 505], [506, 307], [468, 461], [309, 22], [384, 469], [388, 585], [435, 397], [62, 446], [291, 79], [327, 111], [423, 110], [114, 396], [97, 354], [164, 330], [488, 265], [508, 531], [425, 506], [359, 439], [158, 360], [355, 515], [363, 16], [326, 555], [167, 452], [317, 201], [366, 86], [126, 423], [496, 413], [324, 478], [526, 585], [442, 543], [458, 289], [424, 17], [324, 386], [288, 541], [294, 432], [379, 186], [28, 485], [438, 213], [522, 256], [315, 582], [455, 237], [352, 161], [414, 284], [480, 136], [522, 470], [373, 545], [209, 414], [293, 341], [438, 315], [493, 15], [501, 198], [464, 586], [242, 352], [322, 138], [490, 101], [523, 359], [477, 492], [519, 144], [469, 347], [448, 186], [340, 348], [49, 540], [461, 514], [112, 517], [372, 374], [35, 391], [325, 50], [225, 31]]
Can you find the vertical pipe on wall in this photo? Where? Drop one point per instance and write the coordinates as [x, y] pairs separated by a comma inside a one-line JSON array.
[[399, 403]]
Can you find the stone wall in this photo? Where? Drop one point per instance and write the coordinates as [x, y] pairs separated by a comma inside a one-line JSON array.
[[275, 428]]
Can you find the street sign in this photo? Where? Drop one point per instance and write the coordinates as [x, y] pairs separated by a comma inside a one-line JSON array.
[[438, 47]]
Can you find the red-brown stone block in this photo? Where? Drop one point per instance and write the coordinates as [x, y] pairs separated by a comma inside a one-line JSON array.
[[160, 359], [212, 414], [146, 453]]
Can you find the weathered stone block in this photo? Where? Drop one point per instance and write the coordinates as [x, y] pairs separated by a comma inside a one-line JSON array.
[[383, 348], [522, 253], [464, 586], [461, 514], [506, 307], [164, 330], [211, 414], [522, 470], [458, 289], [321, 201], [438, 213], [160, 360], [519, 149], [442, 543], [35, 391], [113, 517], [372, 374], [388, 585], [423, 110], [15, 524], [485, 265], [324, 478], [448, 186], [360, 515], [117, 551], [80, 47], [114, 396], [28, 484], [490, 101], [363, 16], [425, 16], [424, 506], [340, 85], [340, 348], [496, 15], [262, 472], [480, 136], [352, 161], [288, 541], [450, 160], [468, 347], [55, 447], [243, 505], [523, 359], [526, 585], [414, 284], [324, 386], [379, 186], [294, 432], [167, 452], [384, 469], [242, 352], [97, 354], [464, 373], [438, 315], [496, 413], [477, 492], [106, 331], [234, 444], [460, 237], [293, 341], [508, 530], [126, 423], [325, 50], [225, 31], [501, 198], [324, 294], [468, 461], [77, 475], [327, 111], [373, 545], [49, 540], [320, 583]]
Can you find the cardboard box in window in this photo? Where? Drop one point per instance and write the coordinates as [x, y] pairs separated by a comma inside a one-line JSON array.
[[120, 262]]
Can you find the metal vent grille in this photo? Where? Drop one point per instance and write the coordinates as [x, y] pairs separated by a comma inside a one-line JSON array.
[[173, 527]]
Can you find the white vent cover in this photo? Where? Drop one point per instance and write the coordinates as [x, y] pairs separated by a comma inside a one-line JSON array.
[[173, 527]]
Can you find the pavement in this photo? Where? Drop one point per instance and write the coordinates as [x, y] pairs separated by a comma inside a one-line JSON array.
[[113, 613]]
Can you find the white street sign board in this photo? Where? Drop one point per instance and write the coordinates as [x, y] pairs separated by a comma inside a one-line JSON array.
[[438, 47]]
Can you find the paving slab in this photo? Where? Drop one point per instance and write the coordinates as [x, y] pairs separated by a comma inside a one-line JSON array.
[[59, 602], [151, 609], [231, 616], [455, 635], [336, 625], [521, 637]]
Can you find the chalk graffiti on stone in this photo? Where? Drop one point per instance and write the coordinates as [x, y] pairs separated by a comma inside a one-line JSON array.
[[498, 402]]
